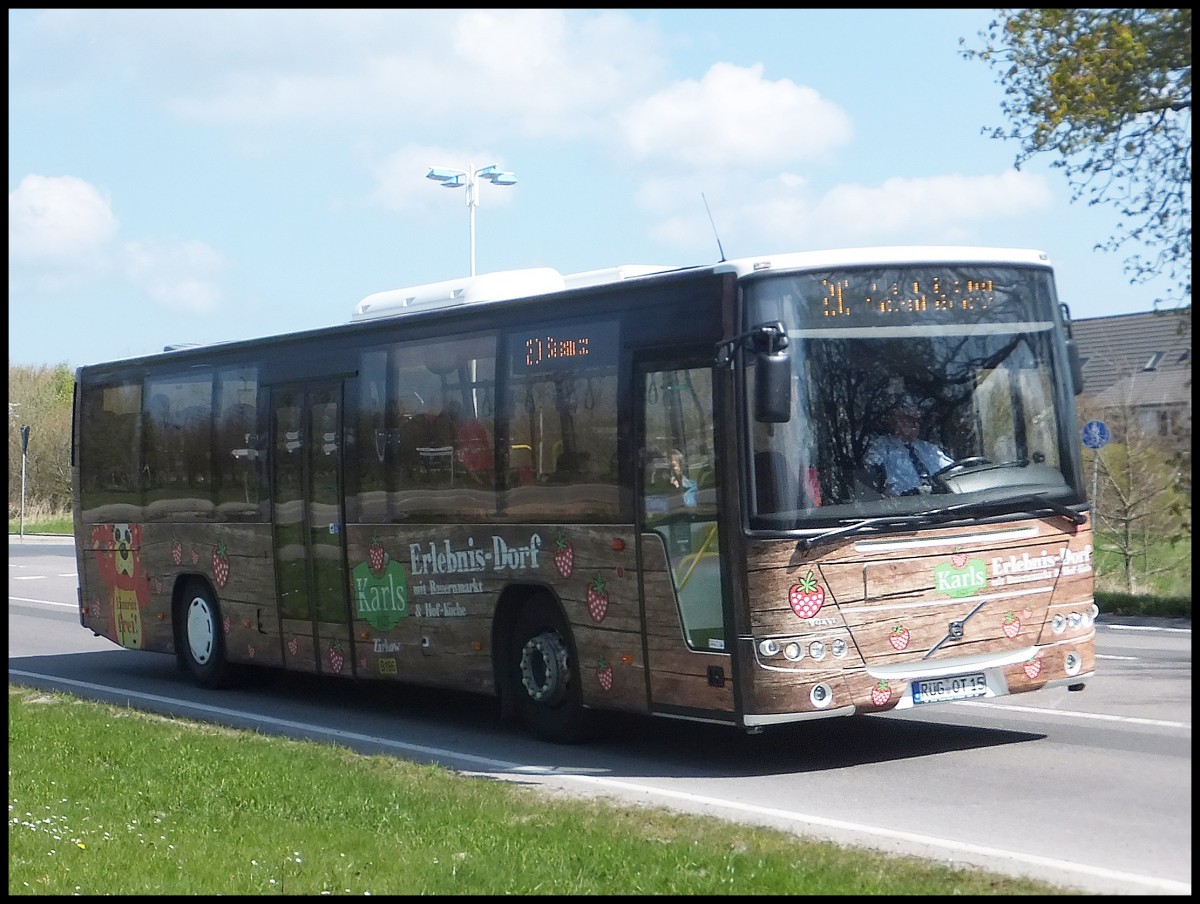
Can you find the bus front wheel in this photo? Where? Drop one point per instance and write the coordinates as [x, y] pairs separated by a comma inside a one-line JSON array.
[[546, 677], [199, 637]]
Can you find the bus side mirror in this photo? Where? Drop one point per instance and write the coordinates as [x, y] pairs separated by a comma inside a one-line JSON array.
[[773, 386], [1076, 366]]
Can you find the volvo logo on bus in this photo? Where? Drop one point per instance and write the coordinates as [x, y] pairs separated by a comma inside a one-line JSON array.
[[955, 631]]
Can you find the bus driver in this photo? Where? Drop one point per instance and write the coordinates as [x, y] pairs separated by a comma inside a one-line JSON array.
[[903, 461]]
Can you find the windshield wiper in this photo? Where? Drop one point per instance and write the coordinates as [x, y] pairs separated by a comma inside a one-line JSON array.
[[916, 519], [807, 543], [941, 515], [1047, 503]]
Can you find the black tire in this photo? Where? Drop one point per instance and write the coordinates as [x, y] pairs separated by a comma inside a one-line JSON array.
[[199, 638], [545, 675]]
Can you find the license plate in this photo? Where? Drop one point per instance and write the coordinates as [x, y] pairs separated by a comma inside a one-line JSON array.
[[957, 687]]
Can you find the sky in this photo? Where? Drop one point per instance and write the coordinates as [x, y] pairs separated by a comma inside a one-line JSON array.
[[210, 175]]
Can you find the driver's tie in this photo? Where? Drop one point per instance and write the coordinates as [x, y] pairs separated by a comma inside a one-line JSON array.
[[922, 471]]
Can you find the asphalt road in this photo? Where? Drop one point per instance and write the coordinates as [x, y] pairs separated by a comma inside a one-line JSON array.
[[1090, 790]]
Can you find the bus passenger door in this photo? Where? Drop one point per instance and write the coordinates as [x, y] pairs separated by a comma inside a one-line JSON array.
[[678, 540], [310, 560]]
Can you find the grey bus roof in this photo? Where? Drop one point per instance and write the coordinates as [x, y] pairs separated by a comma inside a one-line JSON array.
[[498, 286], [898, 254]]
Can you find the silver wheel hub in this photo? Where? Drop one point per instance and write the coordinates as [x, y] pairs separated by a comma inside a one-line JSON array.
[[200, 630], [544, 667]]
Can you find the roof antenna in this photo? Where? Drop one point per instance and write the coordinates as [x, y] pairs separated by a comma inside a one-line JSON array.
[[714, 226]]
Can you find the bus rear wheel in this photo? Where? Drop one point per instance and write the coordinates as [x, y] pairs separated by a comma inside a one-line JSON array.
[[546, 684], [199, 639]]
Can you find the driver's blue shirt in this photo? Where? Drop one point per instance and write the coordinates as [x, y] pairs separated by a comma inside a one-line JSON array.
[[900, 474]]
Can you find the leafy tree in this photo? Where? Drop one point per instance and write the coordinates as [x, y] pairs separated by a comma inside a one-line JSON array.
[[1108, 93], [40, 397], [1142, 500]]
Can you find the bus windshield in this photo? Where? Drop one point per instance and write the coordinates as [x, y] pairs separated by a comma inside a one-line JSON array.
[[914, 388]]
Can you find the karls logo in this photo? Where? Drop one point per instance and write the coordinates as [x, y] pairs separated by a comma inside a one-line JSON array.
[[960, 576], [381, 596]]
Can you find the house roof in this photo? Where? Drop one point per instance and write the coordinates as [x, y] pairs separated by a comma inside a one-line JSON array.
[[1136, 359]]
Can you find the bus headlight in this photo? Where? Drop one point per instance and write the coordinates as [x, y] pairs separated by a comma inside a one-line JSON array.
[[768, 647], [1073, 662], [839, 649], [1074, 620], [817, 649], [793, 651], [1058, 624], [821, 695]]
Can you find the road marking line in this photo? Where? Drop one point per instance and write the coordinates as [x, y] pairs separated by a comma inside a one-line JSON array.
[[1100, 717], [1147, 628], [25, 599]]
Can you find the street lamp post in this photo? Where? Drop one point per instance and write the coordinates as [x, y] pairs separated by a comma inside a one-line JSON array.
[[469, 179]]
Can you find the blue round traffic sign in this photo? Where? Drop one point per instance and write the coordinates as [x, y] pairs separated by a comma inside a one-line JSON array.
[[1095, 434]]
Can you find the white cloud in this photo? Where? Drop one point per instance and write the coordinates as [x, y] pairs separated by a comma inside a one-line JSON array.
[[61, 233], [177, 275], [58, 221], [935, 209], [543, 73], [734, 117], [787, 212]]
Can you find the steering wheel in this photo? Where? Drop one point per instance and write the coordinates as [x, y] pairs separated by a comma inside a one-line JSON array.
[[963, 463]]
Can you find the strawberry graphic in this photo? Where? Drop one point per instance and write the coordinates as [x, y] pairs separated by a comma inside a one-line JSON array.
[[293, 644], [899, 637], [1027, 613], [225, 624], [604, 673], [377, 555], [336, 657], [958, 559], [176, 551], [220, 562], [597, 598], [1012, 625], [250, 650], [564, 554], [1033, 666], [881, 693], [195, 556], [807, 597]]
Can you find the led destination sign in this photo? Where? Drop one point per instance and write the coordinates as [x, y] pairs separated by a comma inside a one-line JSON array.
[[548, 349], [924, 295], [932, 295], [569, 347]]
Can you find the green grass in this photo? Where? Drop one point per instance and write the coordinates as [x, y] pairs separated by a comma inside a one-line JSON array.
[[1163, 569], [60, 524], [105, 800], [1145, 606]]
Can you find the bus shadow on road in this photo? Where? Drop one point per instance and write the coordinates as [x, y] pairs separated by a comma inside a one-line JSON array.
[[817, 746]]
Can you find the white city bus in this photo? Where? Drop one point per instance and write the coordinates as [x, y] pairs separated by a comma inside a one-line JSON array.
[[644, 489]]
